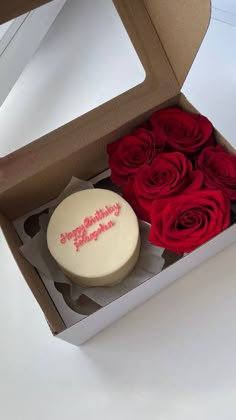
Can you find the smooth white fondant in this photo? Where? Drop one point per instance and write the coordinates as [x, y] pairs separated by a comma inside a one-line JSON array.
[[86, 251]]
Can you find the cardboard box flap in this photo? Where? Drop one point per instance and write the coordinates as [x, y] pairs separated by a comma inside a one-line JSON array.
[[48, 156], [127, 109], [181, 26], [10, 9]]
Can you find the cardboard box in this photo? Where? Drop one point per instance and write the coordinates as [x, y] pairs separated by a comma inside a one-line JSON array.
[[166, 36]]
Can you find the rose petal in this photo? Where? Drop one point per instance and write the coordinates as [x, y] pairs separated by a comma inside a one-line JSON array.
[[182, 131], [189, 220], [129, 195], [130, 153], [219, 170]]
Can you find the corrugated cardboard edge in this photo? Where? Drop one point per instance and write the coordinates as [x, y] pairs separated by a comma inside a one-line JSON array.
[[10, 9], [32, 278]]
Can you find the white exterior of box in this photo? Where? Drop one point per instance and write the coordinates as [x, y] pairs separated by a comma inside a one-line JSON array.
[[90, 326]]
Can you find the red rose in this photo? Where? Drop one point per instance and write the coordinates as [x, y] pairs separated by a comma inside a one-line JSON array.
[[169, 174], [182, 131], [188, 220], [127, 155], [219, 170], [130, 196], [146, 129]]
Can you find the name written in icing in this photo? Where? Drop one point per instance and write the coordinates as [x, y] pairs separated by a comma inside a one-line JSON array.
[[80, 235]]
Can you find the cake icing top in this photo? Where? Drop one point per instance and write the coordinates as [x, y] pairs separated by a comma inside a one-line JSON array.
[[93, 233]]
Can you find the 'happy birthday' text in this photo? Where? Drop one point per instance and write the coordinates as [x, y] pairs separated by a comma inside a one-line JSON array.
[[80, 235]]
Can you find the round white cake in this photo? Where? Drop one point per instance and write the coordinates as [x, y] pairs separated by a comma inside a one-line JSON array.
[[94, 237]]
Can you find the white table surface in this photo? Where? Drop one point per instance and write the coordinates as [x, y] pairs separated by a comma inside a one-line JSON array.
[[171, 359]]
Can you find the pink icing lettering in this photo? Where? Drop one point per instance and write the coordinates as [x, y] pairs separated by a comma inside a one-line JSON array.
[[63, 238], [117, 208], [80, 235], [109, 209], [74, 232], [87, 222]]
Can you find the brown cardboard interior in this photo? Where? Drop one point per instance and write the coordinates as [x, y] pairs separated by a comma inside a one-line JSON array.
[[32, 277], [12, 8], [36, 173], [24, 171], [180, 26]]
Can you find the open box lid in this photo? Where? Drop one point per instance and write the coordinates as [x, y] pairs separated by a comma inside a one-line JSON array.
[[13, 8], [166, 37], [173, 23]]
